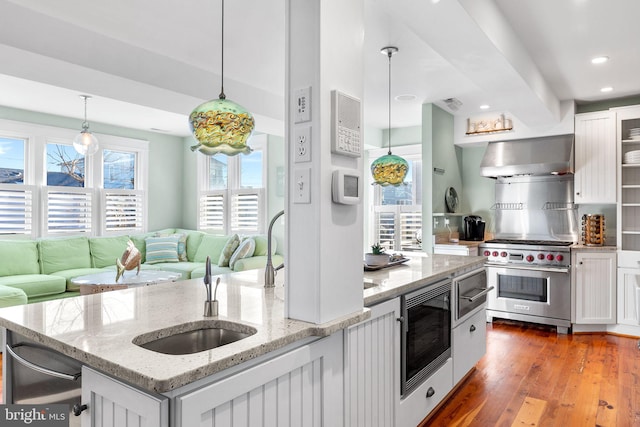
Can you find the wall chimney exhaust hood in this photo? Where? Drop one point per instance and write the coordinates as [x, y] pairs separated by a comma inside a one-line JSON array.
[[549, 155]]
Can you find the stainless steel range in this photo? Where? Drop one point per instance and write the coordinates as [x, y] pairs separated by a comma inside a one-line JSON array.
[[531, 280], [536, 222]]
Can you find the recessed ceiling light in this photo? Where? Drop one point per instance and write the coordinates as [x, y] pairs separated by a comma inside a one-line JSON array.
[[599, 59], [485, 107], [406, 97], [606, 89]]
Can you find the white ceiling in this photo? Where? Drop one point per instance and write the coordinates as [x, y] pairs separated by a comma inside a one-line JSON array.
[[148, 63]]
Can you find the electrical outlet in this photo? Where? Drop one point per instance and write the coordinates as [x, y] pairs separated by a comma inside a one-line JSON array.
[[302, 144], [301, 183], [302, 105]]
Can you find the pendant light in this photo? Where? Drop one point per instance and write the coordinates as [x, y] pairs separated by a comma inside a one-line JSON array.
[[85, 142], [221, 125], [389, 169]]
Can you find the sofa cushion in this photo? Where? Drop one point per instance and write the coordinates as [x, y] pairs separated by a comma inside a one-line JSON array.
[[64, 254], [162, 249], [10, 296], [140, 241], [245, 250], [19, 257], [68, 275], [198, 272], [193, 242], [106, 250], [184, 268], [211, 245], [228, 250], [262, 244], [35, 285]]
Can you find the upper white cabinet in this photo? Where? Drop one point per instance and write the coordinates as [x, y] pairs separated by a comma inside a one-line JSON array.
[[595, 158]]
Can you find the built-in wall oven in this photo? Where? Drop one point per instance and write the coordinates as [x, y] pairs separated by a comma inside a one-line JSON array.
[[532, 282], [426, 333]]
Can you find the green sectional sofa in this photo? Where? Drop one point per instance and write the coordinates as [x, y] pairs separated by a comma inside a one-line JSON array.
[[40, 270]]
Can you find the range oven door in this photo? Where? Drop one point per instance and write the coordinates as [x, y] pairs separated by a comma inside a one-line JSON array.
[[539, 292]]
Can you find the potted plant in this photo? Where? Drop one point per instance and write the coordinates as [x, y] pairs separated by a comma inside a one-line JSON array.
[[376, 257]]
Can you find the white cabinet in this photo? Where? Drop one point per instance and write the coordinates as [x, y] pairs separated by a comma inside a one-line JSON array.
[[372, 368], [300, 388], [628, 296], [594, 280], [628, 221], [111, 403], [469, 344], [595, 158]]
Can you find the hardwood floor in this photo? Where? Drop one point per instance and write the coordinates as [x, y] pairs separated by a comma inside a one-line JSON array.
[[532, 376]]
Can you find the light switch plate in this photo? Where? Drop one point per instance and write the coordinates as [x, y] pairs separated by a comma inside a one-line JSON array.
[[302, 105], [301, 185]]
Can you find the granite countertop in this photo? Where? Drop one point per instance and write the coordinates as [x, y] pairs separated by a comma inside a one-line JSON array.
[[581, 247], [98, 329], [387, 283]]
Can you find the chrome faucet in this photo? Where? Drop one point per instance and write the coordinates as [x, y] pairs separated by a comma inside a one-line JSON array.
[[210, 305], [269, 271]]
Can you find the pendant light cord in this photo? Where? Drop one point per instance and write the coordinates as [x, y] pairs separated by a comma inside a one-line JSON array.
[[222, 95], [85, 124], [389, 54]]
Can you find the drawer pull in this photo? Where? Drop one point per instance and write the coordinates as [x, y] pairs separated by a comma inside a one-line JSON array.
[[472, 328], [78, 408], [483, 292], [430, 392]]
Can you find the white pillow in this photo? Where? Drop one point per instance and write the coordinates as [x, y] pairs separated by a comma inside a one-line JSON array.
[[245, 250]]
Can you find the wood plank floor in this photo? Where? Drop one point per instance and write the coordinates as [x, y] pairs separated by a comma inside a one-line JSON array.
[[531, 376]]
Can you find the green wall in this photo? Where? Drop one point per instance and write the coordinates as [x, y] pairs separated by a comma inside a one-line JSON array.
[[479, 192], [165, 163]]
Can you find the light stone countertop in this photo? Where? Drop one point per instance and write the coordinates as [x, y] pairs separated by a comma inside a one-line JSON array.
[[98, 329], [387, 283], [602, 248]]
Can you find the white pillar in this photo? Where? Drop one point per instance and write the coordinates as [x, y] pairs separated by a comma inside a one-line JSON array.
[[324, 270]]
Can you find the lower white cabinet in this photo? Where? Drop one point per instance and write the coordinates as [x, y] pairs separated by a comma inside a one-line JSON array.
[[628, 296], [372, 368], [111, 403], [300, 388], [594, 279], [469, 344]]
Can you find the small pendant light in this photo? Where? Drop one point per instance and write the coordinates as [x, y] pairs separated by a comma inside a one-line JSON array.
[[85, 142], [389, 169], [221, 125]]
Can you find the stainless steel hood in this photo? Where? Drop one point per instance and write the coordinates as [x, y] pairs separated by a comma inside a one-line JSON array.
[[550, 155]]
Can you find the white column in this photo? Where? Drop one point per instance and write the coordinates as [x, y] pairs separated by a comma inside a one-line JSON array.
[[324, 274]]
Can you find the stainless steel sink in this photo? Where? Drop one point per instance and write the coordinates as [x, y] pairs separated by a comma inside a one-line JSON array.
[[194, 337]]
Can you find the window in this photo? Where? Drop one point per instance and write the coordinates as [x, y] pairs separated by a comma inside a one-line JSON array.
[[397, 211], [232, 191], [61, 191]]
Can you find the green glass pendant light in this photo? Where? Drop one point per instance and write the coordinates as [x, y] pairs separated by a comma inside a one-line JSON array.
[[389, 169], [221, 125]]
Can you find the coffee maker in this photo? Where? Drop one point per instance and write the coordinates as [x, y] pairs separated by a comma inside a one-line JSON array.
[[473, 228]]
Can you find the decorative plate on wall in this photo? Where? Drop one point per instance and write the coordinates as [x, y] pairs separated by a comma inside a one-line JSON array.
[[451, 199]]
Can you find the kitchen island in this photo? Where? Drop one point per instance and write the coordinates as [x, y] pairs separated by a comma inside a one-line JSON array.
[[99, 330]]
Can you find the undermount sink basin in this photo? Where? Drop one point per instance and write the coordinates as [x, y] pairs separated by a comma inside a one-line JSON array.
[[194, 337], [368, 285]]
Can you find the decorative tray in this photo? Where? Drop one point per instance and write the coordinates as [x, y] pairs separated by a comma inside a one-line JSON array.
[[380, 267]]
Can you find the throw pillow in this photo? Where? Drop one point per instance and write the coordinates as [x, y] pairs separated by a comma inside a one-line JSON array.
[[228, 250], [182, 243], [245, 250], [162, 249]]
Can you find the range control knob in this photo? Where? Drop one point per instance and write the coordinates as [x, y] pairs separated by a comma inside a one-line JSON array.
[[540, 256], [495, 253], [503, 254], [559, 257], [530, 258], [487, 253], [550, 257]]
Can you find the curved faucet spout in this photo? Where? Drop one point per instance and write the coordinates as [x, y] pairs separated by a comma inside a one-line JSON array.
[[269, 271]]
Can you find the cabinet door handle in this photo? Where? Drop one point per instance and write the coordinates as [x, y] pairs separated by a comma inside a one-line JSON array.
[[472, 328], [430, 392], [78, 408]]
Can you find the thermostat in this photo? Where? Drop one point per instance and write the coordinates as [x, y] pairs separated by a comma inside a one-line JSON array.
[[346, 187]]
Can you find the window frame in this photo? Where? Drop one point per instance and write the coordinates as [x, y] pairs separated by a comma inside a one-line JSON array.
[[206, 195], [37, 137]]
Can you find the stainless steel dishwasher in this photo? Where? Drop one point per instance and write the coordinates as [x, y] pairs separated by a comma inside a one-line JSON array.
[[37, 375]]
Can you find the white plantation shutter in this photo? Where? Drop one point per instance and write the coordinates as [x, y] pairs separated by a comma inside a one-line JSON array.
[[67, 210], [410, 223], [16, 209], [246, 210], [212, 210], [123, 210], [396, 225]]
